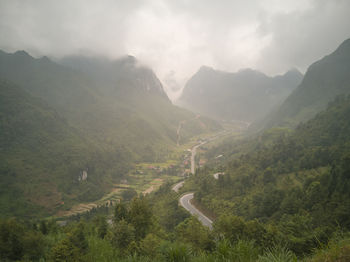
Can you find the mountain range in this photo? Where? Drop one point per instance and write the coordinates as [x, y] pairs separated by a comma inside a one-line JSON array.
[[323, 82], [78, 118], [247, 95]]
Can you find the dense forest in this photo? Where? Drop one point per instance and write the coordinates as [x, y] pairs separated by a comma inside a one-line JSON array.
[[285, 199]]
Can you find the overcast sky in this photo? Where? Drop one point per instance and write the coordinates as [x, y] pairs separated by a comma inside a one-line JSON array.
[[176, 37]]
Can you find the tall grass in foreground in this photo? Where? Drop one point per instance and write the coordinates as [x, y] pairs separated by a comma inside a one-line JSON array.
[[278, 254]]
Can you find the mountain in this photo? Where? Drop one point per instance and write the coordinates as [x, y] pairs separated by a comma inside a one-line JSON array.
[[60, 123], [323, 81], [41, 156], [117, 77], [247, 95], [108, 100]]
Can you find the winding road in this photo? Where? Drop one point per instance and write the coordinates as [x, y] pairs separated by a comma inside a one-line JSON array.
[[193, 155], [185, 202], [216, 175], [177, 186]]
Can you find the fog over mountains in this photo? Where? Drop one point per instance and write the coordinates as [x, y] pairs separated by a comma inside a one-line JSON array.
[[247, 95], [324, 80], [175, 130], [59, 120]]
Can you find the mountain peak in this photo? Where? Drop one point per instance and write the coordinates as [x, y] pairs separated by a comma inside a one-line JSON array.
[[293, 72], [250, 72], [343, 49], [22, 53], [244, 95], [205, 68]]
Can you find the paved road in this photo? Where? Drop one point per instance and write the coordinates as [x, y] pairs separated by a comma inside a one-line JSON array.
[[193, 155], [216, 175], [185, 199], [177, 186], [185, 202]]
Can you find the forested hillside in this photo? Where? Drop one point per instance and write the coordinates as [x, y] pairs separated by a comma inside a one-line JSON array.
[[60, 125], [43, 158], [323, 81], [295, 181], [126, 104]]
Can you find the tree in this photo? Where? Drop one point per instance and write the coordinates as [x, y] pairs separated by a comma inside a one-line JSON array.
[[43, 227], [65, 251], [129, 194], [73, 247], [11, 242], [122, 235], [193, 232], [120, 212], [140, 216], [101, 226]]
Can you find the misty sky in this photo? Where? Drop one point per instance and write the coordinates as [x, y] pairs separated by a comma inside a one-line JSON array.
[[176, 37]]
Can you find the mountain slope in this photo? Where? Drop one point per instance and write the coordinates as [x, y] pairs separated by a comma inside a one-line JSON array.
[[60, 123], [42, 157], [124, 82], [246, 95], [113, 102], [323, 81], [297, 181]]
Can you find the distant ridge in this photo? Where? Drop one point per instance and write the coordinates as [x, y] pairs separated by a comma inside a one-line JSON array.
[[324, 80], [247, 95]]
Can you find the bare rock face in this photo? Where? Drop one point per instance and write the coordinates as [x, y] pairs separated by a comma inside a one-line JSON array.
[[83, 175]]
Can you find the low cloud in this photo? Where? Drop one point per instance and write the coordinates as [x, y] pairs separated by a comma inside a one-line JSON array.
[[176, 37]]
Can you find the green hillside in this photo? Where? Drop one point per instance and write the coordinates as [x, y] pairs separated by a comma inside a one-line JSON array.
[[323, 81], [42, 157], [114, 102], [58, 123], [296, 181], [287, 199]]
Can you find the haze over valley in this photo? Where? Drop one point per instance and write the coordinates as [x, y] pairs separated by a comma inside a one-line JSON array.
[[174, 131]]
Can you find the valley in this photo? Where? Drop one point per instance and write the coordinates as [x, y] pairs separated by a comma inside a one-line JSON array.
[[174, 131], [148, 177]]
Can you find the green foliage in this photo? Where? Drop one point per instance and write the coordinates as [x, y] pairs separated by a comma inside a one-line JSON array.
[[73, 247], [235, 229], [241, 251], [287, 187], [123, 234], [120, 212], [191, 231], [150, 245], [60, 123], [177, 252], [278, 254], [166, 208], [101, 226], [17, 242], [323, 82], [140, 216], [129, 194]]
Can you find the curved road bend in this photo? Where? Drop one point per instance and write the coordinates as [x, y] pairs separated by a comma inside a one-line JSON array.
[[216, 175], [185, 199], [185, 202], [177, 186]]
